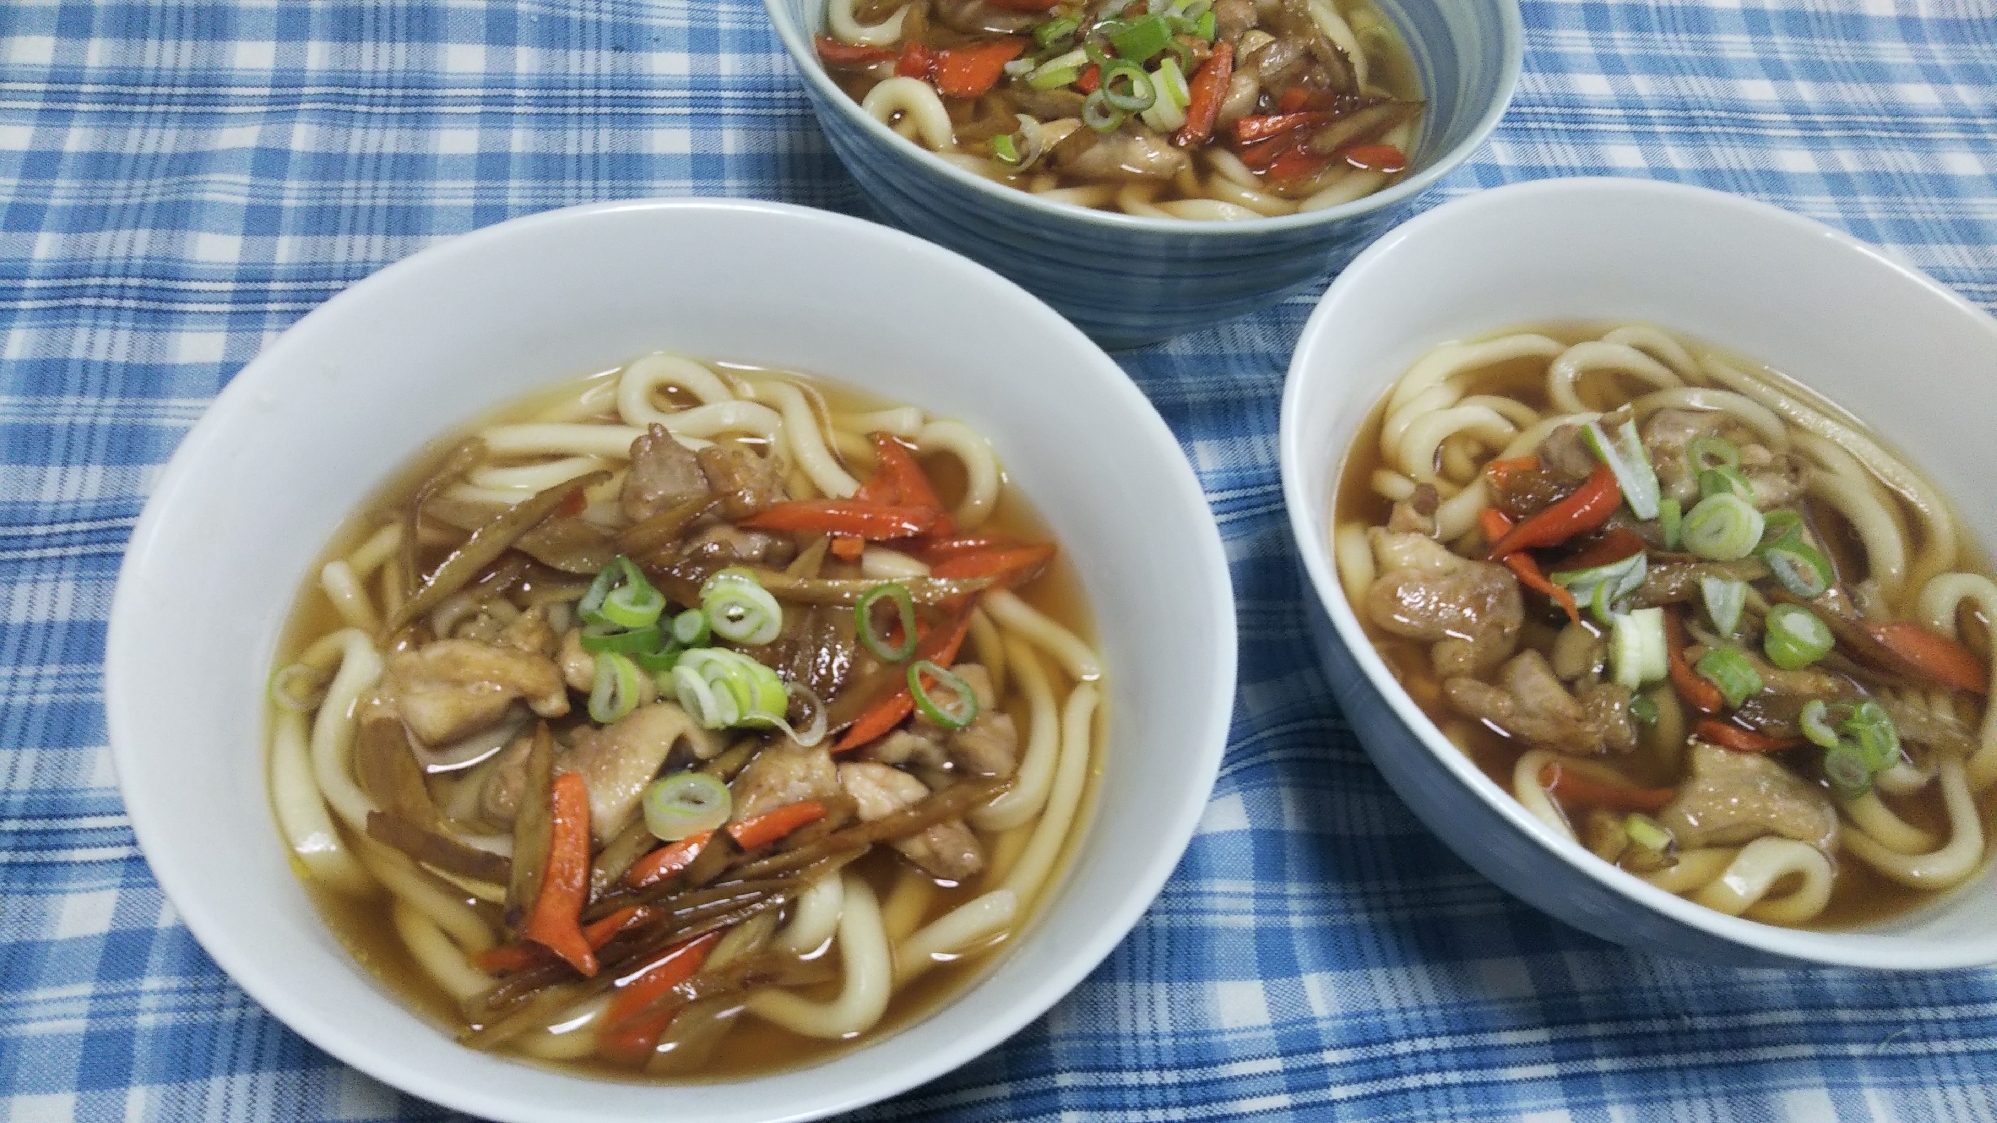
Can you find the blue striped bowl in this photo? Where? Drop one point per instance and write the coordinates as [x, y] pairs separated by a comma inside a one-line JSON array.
[[1128, 281]]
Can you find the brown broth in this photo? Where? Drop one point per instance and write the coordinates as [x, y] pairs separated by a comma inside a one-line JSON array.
[[753, 1047], [1860, 895]]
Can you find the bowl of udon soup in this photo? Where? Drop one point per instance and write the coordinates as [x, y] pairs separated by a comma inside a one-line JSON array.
[[1155, 166], [565, 682], [1649, 536]]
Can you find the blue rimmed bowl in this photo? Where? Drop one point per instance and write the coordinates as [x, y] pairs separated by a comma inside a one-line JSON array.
[[1126, 280]]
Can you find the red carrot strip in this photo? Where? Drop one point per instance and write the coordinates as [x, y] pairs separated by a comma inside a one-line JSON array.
[[910, 484], [630, 1028], [1934, 655], [1701, 694], [1742, 740], [835, 53], [554, 922], [1571, 784], [1011, 567], [761, 830], [1248, 130], [972, 71], [1580, 512], [1527, 571], [1376, 158], [1209, 86], [871, 521], [940, 647], [666, 861]]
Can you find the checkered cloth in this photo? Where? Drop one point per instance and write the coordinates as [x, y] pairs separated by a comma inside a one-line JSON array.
[[180, 181]]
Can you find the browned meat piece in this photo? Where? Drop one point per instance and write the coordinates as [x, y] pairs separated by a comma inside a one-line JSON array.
[[452, 688], [904, 747], [1127, 154], [1244, 92], [1735, 798], [782, 774], [1919, 725], [750, 482], [530, 632], [723, 545], [947, 850], [1777, 479], [976, 15], [1046, 105], [664, 473], [616, 762], [1563, 451], [578, 666], [1606, 706], [1526, 492], [1470, 610], [989, 746], [1670, 582], [505, 780], [1529, 703], [1232, 17], [1291, 21], [1278, 64]]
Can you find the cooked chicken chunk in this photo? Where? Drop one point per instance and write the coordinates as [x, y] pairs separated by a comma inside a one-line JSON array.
[[530, 632], [904, 747], [664, 473], [785, 772], [1123, 155], [618, 761], [750, 482], [1735, 798], [947, 850], [1529, 703], [1471, 611], [452, 688]]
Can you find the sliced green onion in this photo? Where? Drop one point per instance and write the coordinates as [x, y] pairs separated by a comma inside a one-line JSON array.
[[1725, 597], [1127, 87], [660, 660], [686, 803], [1056, 29], [1873, 734], [1099, 114], [719, 688], [1799, 567], [1637, 650], [1004, 150], [598, 638], [1729, 670], [1209, 27], [955, 712], [1053, 79], [1172, 83], [1723, 528], [1603, 585], [614, 692], [1643, 709], [1070, 63], [1647, 832], [1815, 721], [1709, 452], [620, 595], [1671, 520], [871, 635], [1845, 768], [1724, 480], [690, 628], [1781, 523], [739, 609], [1795, 637], [1623, 453], [1139, 39], [1163, 116]]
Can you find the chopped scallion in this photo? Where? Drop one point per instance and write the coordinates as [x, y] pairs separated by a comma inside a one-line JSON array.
[[1647, 832], [1623, 453], [1004, 150], [1729, 670], [1725, 598], [686, 803], [871, 634], [1671, 520], [614, 692], [957, 710], [1723, 528], [1799, 567], [1708, 452], [739, 609], [1795, 637], [1637, 649]]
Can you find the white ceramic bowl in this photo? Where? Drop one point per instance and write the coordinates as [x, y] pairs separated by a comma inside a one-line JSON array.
[[1886, 342], [311, 427]]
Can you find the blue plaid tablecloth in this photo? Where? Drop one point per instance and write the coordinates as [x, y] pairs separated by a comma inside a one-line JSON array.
[[179, 181]]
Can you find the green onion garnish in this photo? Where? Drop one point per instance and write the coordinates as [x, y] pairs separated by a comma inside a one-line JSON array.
[[1172, 83], [1874, 735], [686, 803], [1724, 480], [620, 595], [1795, 637], [1643, 709], [598, 638], [1139, 39], [1799, 567], [1671, 520], [1647, 832], [739, 609], [660, 660], [1004, 150], [719, 688], [1729, 670], [1723, 528], [870, 634], [1845, 768], [1815, 721], [1099, 114], [1623, 453], [1209, 26], [614, 693], [1603, 585], [1056, 29], [1709, 452], [1637, 649], [1053, 79], [1127, 87], [1725, 598], [690, 629], [956, 712], [1781, 523]]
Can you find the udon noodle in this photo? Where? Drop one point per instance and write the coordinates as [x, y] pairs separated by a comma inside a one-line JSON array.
[[689, 720], [1688, 613]]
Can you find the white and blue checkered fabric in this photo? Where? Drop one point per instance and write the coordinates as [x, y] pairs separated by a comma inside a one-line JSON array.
[[181, 180]]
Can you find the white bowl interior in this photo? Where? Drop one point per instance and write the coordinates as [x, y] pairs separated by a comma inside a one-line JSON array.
[[1886, 342], [316, 423]]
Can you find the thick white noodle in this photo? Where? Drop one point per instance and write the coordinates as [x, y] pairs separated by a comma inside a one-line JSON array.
[[1904, 778], [1030, 873], [907, 903], [597, 400], [1353, 185], [1693, 869], [1067, 649], [1451, 359], [1878, 532], [1658, 344], [889, 565], [1740, 407], [562, 439], [976, 165], [1517, 412], [301, 811], [1871, 815], [333, 730], [840, 21], [350, 598], [1092, 195], [903, 421], [815, 917], [990, 648], [433, 951], [1743, 888], [379, 547], [1135, 198], [915, 98], [981, 467], [1028, 793], [531, 478], [948, 935], [1391, 485], [1595, 355], [571, 1037], [1532, 794], [1354, 555], [1338, 31], [1423, 434], [1207, 210], [1941, 599], [661, 370], [1224, 187], [1937, 869], [805, 442], [409, 883], [863, 947]]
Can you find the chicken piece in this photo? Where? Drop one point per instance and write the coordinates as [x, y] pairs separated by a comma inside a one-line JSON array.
[[1471, 611], [1669, 582], [1292, 22], [664, 473], [904, 747], [1233, 17], [1735, 798], [722, 545], [531, 632], [1918, 724], [1529, 704], [784, 773], [989, 746], [1606, 706], [1278, 63], [976, 15], [1565, 452], [452, 688], [1777, 480], [1244, 91], [1665, 437], [505, 780], [1127, 154], [578, 665], [619, 761], [947, 850], [750, 482]]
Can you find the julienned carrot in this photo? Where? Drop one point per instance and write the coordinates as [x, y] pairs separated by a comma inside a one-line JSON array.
[[666, 861], [916, 61], [1500, 470], [1248, 130], [1010, 566], [1092, 76], [1741, 740], [938, 550], [761, 830], [1376, 158], [555, 920], [1296, 162], [1495, 524], [835, 53], [1209, 86], [938, 646], [1933, 654], [1529, 575], [520, 955], [631, 1028], [1614, 546], [1571, 784], [972, 71], [1703, 695], [1580, 512], [909, 483], [1298, 98], [845, 547], [874, 522]]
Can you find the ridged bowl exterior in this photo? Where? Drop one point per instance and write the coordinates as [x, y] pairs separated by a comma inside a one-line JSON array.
[[1128, 281]]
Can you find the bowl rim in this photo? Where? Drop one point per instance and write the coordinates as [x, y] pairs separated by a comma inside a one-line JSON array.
[[124, 662], [1888, 952], [1512, 38]]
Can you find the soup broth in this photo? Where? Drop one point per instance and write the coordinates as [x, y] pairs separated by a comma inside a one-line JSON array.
[[1828, 849], [462, 949]]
